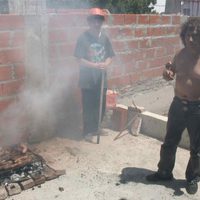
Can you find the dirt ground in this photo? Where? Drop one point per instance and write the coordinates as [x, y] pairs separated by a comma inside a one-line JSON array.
[[112, 170]]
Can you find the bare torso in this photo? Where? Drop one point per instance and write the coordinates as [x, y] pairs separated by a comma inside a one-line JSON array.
[[187, 69]]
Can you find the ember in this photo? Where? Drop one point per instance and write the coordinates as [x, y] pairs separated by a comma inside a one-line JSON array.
[[21, 171]]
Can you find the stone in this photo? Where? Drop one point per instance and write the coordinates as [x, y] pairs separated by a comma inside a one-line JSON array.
[[13, 189]]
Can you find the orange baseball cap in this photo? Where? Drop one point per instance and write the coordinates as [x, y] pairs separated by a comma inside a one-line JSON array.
[[96, 11]]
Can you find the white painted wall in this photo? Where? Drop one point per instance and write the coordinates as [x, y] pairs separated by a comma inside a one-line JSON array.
[[160, 6]]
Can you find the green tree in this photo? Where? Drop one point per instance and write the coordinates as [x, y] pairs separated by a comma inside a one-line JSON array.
[[114, 6]]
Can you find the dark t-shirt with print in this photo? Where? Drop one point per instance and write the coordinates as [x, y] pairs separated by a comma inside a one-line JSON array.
[[95, 50]]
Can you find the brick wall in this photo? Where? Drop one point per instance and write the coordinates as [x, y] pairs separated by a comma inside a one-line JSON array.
[[142, 43], [12, 71]]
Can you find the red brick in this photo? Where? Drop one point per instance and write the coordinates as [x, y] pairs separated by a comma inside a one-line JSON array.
[[124, 80], [165, 41], [126, 31], [143, 19], [113, 32], [10, 88], [145, 43], [73, 36], [5, 73], [160, 51], [66, 50], [157, 42], [113, 82], [166, 19], [134, 77], [138, 55], [171, 50], [129, 67], [4, 39], [116, 71], [130, 19], [171, 41], [156, 31], [120, 46], [142, 64], [20, 71], [58, 35], [172, 30], [4, 103], [158, 62], [133, 44], [119, 117], [67, 20], [116, 61], [117, 19], [140, 32], [155, 19], [18, 39], [176, 19], [126, 58], [11, 22], [149, 53], [11, 56], [64, 63], [151, 73]]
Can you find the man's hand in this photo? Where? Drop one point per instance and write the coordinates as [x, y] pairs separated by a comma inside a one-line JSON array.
[[101, 65], [168, 75]]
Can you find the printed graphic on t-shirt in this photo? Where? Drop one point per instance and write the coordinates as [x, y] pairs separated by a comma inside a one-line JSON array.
[[96, 52]]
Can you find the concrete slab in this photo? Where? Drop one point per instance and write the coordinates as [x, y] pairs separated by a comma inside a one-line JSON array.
[[3, 193], [154, 125], [111, 170]]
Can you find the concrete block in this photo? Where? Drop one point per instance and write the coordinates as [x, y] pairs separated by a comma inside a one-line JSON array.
[[154, 125], [119, 117], [13, 189], [38, 178], [49, 173], [60, 172], [3, 193], [27, 184]]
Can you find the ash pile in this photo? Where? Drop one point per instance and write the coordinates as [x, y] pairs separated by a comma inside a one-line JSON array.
[[21, 171]]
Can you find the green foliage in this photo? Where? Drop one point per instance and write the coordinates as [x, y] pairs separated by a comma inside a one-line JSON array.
[[114, 6]]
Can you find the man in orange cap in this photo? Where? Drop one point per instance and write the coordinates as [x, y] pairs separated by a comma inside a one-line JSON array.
[[94, 53]]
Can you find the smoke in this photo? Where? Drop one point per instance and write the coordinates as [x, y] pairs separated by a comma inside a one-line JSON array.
[[41, 107]]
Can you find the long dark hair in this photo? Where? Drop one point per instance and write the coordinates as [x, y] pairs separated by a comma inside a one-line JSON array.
[[191, 27]]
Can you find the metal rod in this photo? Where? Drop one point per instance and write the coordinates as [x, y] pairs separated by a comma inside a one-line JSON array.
[[100, 104]]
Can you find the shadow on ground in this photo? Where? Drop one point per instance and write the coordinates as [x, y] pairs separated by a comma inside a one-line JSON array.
[[137, 175]]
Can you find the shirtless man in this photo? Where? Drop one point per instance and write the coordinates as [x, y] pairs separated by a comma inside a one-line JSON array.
[[184, 111]]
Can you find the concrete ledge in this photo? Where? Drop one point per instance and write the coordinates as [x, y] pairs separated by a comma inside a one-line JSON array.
[[154, 125]]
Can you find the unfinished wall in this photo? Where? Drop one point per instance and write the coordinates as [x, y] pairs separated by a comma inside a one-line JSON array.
[[143, 43], [12, 57], [41, 48]]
